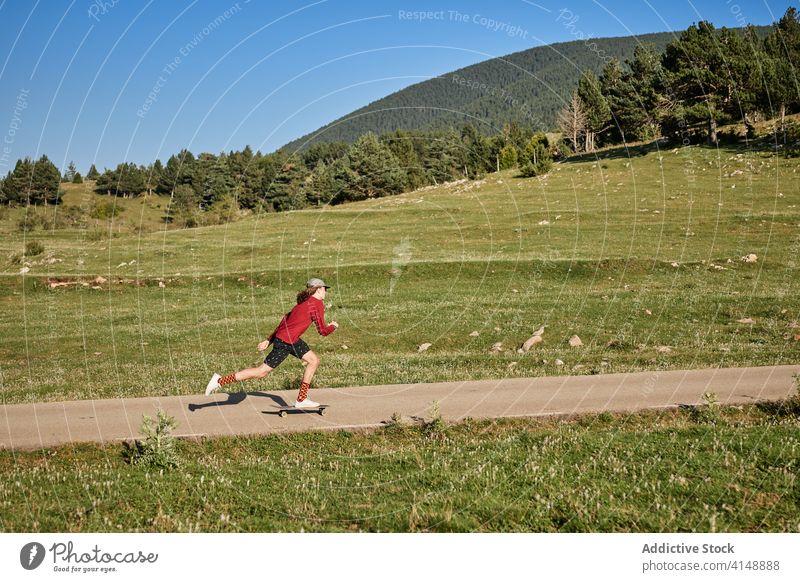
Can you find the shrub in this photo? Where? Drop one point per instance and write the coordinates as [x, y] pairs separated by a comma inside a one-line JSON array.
[[29, 222], [105, 209], [709, 411], [435, 427], [97, 234], [508, 157], [158, 449], [33, 248], [535, 159], [539, 168]]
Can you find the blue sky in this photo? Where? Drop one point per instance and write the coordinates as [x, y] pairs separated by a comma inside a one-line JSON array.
[[103, 82]]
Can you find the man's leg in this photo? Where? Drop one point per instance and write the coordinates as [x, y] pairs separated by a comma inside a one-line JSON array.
[[312, 361], [217, 382], [247, 374]]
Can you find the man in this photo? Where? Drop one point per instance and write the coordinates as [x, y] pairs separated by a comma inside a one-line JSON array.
[[286, 340]]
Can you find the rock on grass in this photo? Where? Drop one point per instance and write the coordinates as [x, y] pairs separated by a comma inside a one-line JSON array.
[[529, 343]]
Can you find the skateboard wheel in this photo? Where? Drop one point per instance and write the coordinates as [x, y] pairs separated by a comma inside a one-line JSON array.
[[322, 412], [282, 413]]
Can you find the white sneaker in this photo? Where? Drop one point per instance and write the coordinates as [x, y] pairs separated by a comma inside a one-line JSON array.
[[213, 384], [307, 403]]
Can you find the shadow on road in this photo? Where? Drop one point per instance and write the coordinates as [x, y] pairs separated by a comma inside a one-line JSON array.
[[237, 398]]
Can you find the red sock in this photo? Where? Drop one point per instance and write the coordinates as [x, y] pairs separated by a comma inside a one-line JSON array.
[[229, 379], [303, 391]]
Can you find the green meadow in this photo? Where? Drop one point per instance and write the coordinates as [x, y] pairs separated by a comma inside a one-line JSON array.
[[637, 251], [733, 470]]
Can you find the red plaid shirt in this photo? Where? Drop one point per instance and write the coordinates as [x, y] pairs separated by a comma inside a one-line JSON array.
[[296, 322]]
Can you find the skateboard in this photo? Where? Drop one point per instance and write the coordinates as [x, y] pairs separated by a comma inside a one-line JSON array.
[[284, 410]]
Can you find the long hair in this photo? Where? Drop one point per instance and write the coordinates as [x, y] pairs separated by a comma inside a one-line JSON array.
[[305, 294]]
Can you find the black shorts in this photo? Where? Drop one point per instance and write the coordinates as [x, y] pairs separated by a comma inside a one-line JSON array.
[[280, 349]]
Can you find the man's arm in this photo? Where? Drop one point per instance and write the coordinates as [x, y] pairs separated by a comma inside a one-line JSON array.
[[318, 317]]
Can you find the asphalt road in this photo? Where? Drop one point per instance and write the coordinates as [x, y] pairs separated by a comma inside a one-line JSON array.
[[34, 426]]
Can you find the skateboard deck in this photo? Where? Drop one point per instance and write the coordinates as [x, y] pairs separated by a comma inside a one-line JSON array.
[[284, 410]]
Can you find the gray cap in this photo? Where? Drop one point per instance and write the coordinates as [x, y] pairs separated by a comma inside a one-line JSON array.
[[317, 283]]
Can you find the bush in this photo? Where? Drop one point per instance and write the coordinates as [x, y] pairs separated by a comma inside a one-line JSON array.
[[541, 167], [29, 222], [158, 448], [709, 412], [535, 159], [33, 248], [105, 209], [508, 157], [96, 235], [560, 150], [435, 427]]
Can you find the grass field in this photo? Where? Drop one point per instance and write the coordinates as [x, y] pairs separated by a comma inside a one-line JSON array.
[[638, 252], [732, 470]]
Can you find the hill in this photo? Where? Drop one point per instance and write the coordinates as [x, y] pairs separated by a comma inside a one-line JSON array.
[[527, 87]]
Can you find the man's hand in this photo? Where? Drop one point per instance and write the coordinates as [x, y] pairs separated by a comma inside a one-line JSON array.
[[263, 345], [334, 324]]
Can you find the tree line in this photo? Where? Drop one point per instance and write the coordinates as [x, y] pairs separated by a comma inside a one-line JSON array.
[[324, 173], [704, 79]]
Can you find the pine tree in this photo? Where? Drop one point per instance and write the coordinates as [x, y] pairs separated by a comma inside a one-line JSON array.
[[535, 159], [247, 174], [476, 152], [401, 143], [77, 178], [46, 182], [127, 179], [647, 80], [69, 174], [288, 190], [518, 135], [696, 72], [376, 168], [782, 49], [334, 184], [326, 152], [19, 182], [92, 174], [178, 170], [441, 156], [598, 113], [211, 178], [507, 158], [183, 207], [155, 175], [329, 182], [635, 97]]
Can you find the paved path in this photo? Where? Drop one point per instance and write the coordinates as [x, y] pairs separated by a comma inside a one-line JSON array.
[[32, 426]]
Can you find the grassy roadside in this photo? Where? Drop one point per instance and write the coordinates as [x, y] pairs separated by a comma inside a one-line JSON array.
[[730, 469]]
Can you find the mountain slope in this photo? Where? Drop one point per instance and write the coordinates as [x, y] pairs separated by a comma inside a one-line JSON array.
[[528, 87]]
